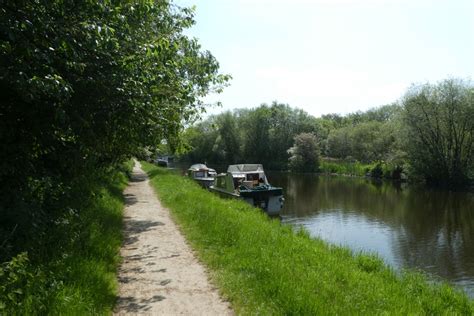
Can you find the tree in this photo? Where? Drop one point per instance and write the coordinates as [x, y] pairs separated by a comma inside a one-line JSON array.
[[285, 124], [439, 138], [256, 131], [83, 86], [371, 141], [94, 82], [200, 142], [304, 155], [339, 143], [228, 139]]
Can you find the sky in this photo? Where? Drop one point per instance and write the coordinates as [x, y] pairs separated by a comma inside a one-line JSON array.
[[332, 56]]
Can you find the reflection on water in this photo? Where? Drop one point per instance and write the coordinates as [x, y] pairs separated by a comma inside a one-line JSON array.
[[406, 226]]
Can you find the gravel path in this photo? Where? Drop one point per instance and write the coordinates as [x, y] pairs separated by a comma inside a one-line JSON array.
[[159, 274]]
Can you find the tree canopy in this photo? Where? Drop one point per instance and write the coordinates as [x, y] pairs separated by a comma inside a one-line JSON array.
[[304, 155], [84, 85], [440, 131], [260, 135], [264, 135]]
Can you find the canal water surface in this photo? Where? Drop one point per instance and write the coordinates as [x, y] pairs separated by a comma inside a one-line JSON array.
[[408, 227]]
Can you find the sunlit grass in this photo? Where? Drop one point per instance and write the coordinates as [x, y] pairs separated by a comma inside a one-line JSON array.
[[376, 169], [346, 168], [264, 267], [91, 281]]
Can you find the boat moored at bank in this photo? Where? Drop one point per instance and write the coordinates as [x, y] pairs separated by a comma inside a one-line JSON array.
[[249, 183], [202, 174]]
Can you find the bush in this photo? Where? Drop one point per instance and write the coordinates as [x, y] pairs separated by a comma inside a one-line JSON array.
[[69, 263], [304, 153]]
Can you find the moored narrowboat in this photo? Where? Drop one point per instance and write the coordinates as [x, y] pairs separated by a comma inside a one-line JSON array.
[[201, 174], [249, 182]]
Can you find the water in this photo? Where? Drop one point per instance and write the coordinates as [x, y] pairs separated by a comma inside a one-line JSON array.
[[407, 226]]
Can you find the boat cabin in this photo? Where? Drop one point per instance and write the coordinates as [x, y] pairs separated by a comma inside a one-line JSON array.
[[202, 174], [249, 182]]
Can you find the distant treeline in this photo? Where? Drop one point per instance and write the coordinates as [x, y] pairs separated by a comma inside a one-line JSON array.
[[428, 135]]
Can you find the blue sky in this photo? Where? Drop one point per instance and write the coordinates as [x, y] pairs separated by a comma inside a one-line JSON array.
[[333, 56]]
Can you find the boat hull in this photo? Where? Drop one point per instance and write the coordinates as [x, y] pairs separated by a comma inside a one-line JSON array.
[[162, 163], [270, 200], [205, 182]]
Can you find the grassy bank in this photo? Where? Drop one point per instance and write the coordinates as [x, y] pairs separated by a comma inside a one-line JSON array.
[[70, 268], [263, 267], [375, 169]]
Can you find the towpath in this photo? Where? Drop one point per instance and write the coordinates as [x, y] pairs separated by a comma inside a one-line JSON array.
[[159, 274]]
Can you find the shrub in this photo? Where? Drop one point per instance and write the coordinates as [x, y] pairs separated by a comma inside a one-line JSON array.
[[304, 153]]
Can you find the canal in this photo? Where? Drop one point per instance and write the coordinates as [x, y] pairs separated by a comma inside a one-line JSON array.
[[407, 226]]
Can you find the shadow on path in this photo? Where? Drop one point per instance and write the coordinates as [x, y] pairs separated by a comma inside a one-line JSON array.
[[138, 177], [134, 227], [132, 305], [130, 199]]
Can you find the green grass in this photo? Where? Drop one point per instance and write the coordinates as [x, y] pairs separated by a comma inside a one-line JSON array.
[[264, 267], [74, 271], [91, 279], [346, 168], [375, 169]]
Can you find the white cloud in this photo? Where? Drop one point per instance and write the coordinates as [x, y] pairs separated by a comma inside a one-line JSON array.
[[343, 88]]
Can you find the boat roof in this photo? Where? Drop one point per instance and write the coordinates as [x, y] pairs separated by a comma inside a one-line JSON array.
[[249, 167], [198, 166]]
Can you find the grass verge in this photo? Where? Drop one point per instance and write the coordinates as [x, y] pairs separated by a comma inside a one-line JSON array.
[[264, 267], [71, 267]]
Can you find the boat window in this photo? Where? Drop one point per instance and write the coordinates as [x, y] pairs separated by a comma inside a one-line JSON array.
[[200, 174], [238, 181], [252, 177], [221, 182]]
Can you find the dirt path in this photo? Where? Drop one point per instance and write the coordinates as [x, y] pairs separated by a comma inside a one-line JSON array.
[[159, 273]]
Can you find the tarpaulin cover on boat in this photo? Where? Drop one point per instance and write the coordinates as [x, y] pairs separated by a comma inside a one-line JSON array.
[[245, 168], [198, 166]]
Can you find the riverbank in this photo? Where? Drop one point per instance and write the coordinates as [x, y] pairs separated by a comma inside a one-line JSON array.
[[264, 267], [71, 268], [376, 170]]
